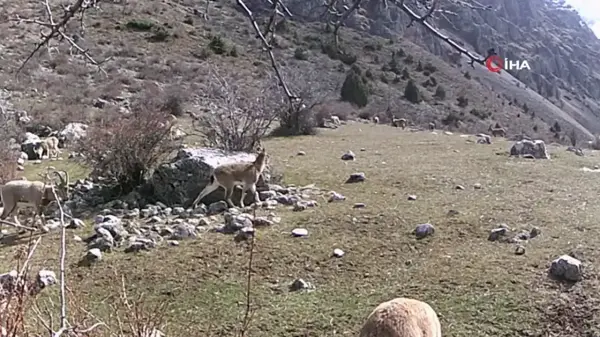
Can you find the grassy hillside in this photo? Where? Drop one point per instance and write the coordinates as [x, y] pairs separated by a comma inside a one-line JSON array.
[[478, 287]]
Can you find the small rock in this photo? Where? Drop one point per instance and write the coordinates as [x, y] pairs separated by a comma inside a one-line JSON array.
[[173, 243], [356, 178], [299, 232], [300, 284], [349, 156], [535, 231], [359, 205], [497, 233], [424, 230], [566, 268], [412, 197], [338, 252], [334, 196], [301, 153], [218, 207], [477, 186], [460, 187], [93, 255], [519, 250]]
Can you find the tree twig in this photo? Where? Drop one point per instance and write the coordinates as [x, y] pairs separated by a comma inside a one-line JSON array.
[[292, 98], [80, 6]]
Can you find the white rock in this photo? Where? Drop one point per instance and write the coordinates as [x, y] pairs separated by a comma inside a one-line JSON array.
[[300, 232], [338, 252]]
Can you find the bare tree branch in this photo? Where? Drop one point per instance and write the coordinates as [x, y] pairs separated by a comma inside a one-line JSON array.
[[422, 20], [292, 98], [58, 29]]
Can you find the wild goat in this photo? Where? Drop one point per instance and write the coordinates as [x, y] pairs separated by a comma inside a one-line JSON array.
[[399, 123], [38, 194], [497, 132], [402, 317], [48, 145], [229, 175], [335, 120], [376, 119], [432, 126]]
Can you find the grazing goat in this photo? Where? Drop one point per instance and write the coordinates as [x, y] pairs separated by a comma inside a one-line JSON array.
[[48, 145], [229, 175], [399, 123], [402, 317], [38, 194], [376, 119], [432, 126], [497, 132]]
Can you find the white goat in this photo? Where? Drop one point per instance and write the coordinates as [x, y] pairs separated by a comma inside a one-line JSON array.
[[38, 194], [229, 175], [376, 119], [335, 120], [402, 317]]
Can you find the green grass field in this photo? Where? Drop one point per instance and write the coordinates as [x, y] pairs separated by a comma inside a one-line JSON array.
[[479, 288]]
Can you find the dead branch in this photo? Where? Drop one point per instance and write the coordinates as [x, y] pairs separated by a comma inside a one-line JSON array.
[[342, 19], [58, 30], [291, 97], [414, 17]]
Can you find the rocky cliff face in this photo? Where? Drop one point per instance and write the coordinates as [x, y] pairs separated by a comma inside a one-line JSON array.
[[559, 47]]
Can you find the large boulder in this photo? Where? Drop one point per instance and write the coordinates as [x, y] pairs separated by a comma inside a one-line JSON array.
[[180, 182], [30, 145], [73, 132], [530, 148]]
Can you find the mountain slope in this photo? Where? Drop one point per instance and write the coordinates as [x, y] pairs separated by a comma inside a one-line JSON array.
[[58, 87]]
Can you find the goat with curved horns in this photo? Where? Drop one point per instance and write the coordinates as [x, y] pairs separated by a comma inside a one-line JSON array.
[[37, 194], [229, 175]]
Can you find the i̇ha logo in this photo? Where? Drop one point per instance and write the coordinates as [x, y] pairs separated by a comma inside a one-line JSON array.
[[495, 63]]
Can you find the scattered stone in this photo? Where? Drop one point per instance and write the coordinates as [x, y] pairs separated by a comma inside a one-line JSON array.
[[424, 230], [217, 207], [301, 153], [566, 268], [519, 250], [349, 156], [535, 231], [338, 252], [412, 197], [334, 196], [530, 149], [93, 255], [300, 232], [300, 284], [453, 212], [359, 205], [356, 178], [460, 187], [75, 224], [497, 233], [477, 186], [244, 234]]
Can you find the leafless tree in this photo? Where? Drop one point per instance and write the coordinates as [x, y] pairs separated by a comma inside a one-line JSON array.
[[237, 114]]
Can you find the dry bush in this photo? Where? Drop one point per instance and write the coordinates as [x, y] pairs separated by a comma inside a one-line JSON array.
[[237, 114], [128, 147], [301, 119]]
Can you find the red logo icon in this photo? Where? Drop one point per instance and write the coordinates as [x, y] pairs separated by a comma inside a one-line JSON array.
[[494, 63]]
